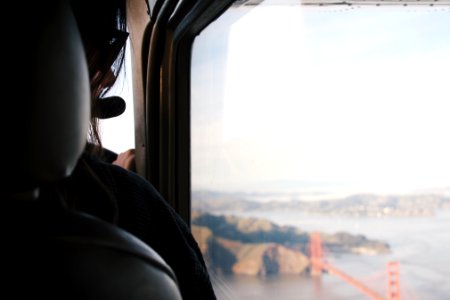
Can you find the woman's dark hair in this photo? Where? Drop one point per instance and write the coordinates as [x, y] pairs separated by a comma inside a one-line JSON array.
[[103, 29], [102, 26]]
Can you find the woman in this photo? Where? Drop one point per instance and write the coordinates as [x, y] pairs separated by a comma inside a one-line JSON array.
[[117, 195]]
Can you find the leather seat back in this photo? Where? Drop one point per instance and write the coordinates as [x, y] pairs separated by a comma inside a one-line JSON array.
[[50, 252]]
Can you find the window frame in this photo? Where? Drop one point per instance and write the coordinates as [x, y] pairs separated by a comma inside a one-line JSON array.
[[173, 29]]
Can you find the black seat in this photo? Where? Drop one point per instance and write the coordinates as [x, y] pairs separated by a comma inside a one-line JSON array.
[[60, 254], [48, 251]]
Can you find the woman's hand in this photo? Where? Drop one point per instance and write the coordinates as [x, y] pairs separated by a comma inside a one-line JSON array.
[[126, 160]]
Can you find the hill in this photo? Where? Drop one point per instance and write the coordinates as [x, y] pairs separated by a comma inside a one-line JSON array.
[[254, 246]]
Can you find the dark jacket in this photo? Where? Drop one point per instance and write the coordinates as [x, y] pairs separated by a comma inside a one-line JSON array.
[[141, 210]]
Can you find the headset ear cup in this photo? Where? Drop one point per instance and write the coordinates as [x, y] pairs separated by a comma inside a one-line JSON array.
[[110, 107]]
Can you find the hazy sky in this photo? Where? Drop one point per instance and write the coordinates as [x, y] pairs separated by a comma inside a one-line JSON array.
[[333, 95]]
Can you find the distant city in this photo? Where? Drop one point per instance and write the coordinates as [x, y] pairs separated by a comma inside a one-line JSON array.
[[425, 203]]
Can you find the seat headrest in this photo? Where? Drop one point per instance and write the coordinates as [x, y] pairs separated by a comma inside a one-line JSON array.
[[54, 109]]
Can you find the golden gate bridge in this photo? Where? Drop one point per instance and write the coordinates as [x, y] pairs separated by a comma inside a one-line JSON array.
[[319, 264]]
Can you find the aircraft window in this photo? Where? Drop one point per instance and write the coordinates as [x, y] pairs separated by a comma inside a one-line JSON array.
[[320, 152], [118, 133]]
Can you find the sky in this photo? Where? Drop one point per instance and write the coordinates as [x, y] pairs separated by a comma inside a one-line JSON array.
[[297, 98]]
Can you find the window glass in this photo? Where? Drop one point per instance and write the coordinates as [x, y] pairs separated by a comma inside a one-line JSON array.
[[118, 133], [320, 152]]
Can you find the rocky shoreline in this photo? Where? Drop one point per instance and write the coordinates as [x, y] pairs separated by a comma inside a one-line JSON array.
[[251, 246]]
